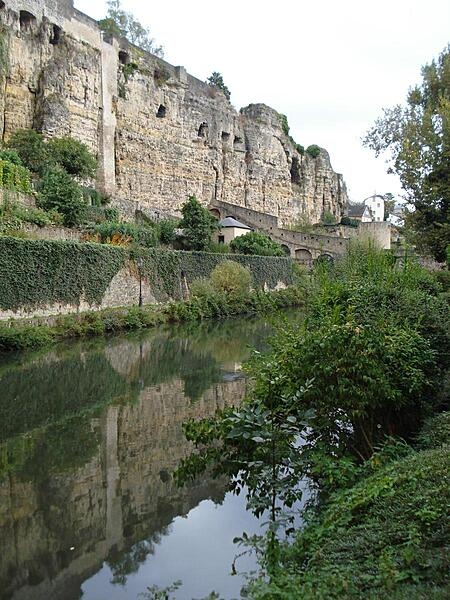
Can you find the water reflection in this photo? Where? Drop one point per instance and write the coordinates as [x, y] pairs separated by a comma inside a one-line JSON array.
[[90, 435]]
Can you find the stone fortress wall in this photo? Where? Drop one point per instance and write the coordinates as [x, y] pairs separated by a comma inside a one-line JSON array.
[[160, 134]]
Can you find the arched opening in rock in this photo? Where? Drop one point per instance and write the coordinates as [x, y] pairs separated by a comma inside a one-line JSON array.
[[162, 111], [225, 136], [215, 212], [55, 37], [2, 5], [295, 171], [26, 20], [124, 57], [203, 130]]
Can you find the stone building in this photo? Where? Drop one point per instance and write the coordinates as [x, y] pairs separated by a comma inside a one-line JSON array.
[[159, 133]]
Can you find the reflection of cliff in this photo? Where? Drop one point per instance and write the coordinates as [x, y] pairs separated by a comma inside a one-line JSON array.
[[57, 530]]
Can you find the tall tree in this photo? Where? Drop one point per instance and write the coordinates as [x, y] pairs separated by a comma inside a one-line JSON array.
[[122, 23], [417, 137], [198, 225]]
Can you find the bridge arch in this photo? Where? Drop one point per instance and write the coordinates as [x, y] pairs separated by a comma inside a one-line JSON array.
[[286, 249], [215, 212], [325, 258], [303, 256]]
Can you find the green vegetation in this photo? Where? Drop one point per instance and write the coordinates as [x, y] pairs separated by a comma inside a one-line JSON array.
[[217, 305], [367, 364], [58, 191], [198, 225], [313, 151], [15, 177], [285, 127], [120, 23], [417, 138], [216, 80], [73, 156], [54, 165], [232, 278], [256, 243]]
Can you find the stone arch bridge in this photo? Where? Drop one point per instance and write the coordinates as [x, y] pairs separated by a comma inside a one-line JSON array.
[[303, 247]]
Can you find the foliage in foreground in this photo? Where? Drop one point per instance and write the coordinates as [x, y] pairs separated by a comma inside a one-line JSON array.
[[366, 364], [387, 537]]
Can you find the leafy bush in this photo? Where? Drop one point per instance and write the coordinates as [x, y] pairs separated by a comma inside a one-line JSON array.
[[31, 148], [60, 192], [14, 176], [313, 151], [166, 230], [256, 243], [73, 156], [198, 225], [202, 288], [11, 156], [145, 236], [231, 277]]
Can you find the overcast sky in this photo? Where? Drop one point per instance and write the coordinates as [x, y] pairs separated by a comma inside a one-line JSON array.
[[329, 66]]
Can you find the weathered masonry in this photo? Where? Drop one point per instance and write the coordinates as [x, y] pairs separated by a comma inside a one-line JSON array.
[[159, 133]]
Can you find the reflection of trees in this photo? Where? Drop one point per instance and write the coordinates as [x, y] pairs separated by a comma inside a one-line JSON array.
[[124, 564], [41, 392]]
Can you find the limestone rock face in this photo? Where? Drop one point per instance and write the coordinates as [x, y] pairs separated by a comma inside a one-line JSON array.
[[160, 134]]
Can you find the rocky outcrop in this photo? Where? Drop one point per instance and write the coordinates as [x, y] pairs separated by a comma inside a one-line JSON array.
[[159, 133]]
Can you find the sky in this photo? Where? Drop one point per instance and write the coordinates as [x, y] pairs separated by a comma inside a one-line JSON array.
[[329, 66]]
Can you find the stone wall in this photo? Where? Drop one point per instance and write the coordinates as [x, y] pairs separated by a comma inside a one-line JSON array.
[[160, 134]]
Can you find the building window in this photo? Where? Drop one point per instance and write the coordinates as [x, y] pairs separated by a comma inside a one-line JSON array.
[[221, 239]]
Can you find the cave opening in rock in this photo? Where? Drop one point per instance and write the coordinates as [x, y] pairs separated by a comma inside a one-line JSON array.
[[26, 20], [295, 171], [124, 57], [56, 35], [203, 130], [162, 111]]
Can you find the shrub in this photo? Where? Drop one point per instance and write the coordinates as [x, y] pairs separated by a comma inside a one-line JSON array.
[[73, 156], [231, 277], [313, 151], [14, 176], [202, 287], [11, 156], [60, 192], [166, 230], [31, 148], [115, 231], [256, 243]]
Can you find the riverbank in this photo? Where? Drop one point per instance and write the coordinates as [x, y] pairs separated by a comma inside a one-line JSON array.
[[385, 538], [22, 335]]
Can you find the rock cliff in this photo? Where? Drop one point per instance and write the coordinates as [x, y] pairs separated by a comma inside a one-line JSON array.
[[159, 133]]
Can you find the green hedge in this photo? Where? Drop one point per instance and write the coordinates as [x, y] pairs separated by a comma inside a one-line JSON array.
[[38, 272], [35, 273]]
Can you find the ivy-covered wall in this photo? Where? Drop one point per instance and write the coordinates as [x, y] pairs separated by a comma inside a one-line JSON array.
[[65, 276]]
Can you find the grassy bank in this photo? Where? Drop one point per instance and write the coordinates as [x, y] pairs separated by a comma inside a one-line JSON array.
[[19, 336], [385, 538]]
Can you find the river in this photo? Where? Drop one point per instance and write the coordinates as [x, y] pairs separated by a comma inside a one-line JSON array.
[[91, 433]]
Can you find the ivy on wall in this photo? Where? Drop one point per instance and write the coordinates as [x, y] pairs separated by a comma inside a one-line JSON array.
[[36, 273], [166, 271]]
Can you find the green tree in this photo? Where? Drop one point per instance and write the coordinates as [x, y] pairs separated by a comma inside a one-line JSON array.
[[119, 22], [60, 192], [216, 79], [417, 137], [198, 225], [73, 156], [31, 149], [256, 243], [231, 277]]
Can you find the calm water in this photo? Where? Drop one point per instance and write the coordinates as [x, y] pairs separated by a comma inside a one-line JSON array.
[[90, 436]]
